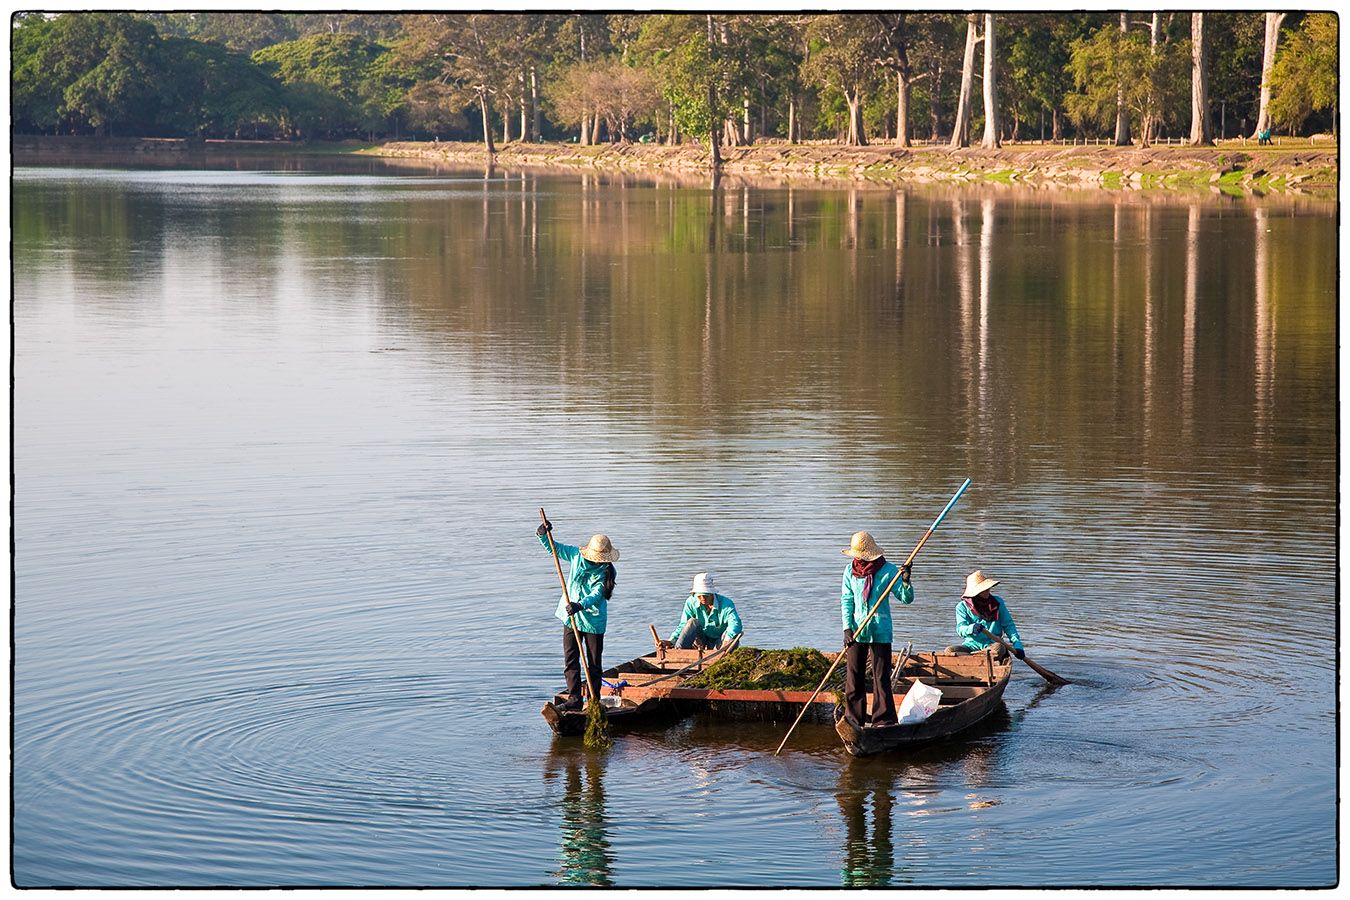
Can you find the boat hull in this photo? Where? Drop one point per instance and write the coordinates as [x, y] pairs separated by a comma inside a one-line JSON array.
[[945, 723]]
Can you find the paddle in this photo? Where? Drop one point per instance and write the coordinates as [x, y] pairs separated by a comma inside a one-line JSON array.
[[876, 606], [596, 725], [1039, 670]]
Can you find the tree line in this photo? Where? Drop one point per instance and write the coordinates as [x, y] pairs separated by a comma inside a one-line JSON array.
[[720, 80]]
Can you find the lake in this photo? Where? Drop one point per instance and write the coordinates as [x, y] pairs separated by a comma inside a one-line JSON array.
[[280, 439]]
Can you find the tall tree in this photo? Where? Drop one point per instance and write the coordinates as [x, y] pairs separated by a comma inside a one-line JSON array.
[[1201, 129], [895, 50], [1305, 80], [1268, 51], [843, 60], [961, 128], [467, 49], [990, 94], [1122, 117]]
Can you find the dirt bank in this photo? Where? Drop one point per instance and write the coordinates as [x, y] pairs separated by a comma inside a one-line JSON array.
[[1231, 167]]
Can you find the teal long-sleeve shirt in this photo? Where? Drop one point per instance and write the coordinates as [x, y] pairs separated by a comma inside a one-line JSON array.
[[719, 623], [855, 606], [975, 639], [585, 585]]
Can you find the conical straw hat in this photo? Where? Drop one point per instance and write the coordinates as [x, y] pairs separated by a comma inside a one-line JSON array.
[[862, 547], [600, 550], [977, 584]]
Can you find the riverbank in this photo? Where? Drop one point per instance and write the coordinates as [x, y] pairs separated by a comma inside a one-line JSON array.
[[1231, 167]]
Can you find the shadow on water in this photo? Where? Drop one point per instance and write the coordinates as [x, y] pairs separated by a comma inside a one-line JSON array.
[[584, 854]]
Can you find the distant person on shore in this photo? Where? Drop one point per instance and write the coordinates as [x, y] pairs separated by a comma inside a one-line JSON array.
[[980, 614], [590, 584], [708, 620], [864, 579]]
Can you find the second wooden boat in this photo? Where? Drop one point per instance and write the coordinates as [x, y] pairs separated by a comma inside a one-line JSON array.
[[972, 688]]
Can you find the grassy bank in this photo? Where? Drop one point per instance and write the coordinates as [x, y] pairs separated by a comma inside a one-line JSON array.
[[1231, 167]]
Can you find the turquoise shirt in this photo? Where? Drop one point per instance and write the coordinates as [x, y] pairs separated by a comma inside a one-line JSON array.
[[855, 606], [976, 640], [585, 585], [719, 623]]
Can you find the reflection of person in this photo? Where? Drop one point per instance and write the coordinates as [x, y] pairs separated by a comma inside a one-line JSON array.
[[708, 620], [980, 614], [585, 843], [869, 856], [863, 581], [590, 583]]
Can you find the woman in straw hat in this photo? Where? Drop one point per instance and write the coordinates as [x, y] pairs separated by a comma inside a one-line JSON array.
[[864, 580], [590, 583], [980, 614]]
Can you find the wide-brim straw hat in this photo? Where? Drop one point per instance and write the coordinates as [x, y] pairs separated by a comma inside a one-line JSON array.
[[600, 550], [977, 584], [862, 547]]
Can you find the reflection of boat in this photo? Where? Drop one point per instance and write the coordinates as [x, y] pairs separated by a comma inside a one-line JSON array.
[[972, 688]]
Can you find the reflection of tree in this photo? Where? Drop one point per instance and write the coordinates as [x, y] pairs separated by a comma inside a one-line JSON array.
[[869, 856], [584, 845]]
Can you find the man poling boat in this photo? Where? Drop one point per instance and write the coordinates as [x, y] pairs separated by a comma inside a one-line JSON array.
[[870, 581], [583, 607]]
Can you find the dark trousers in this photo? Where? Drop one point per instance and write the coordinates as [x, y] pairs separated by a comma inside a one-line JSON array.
[[855, 685], [595, 643]]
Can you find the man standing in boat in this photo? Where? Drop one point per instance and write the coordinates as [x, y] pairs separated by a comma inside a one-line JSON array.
[[709, 619], [980, 614], [590, 583], [865, 578]]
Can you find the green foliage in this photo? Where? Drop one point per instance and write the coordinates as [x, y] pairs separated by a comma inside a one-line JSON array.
[[211, 89], [597, 727], [337, 83], [752, 669], [1154, 82], [1304, 80]]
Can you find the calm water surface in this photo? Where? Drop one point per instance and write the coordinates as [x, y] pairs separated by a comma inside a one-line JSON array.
[[280, 439]]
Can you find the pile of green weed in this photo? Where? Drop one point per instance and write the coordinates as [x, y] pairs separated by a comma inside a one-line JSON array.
[[752, 669]]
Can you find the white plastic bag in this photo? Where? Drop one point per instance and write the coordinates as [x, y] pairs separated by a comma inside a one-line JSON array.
[[920, 703]]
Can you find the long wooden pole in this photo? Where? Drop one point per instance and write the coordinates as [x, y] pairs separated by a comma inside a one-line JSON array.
[[571, 621], [876, 606], [1039, 670]]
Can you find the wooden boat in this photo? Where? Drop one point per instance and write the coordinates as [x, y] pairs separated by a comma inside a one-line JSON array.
[[635, 692], [972, 688], [652, 687]]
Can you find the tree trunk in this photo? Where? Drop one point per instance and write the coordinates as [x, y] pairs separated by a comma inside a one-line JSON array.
[[746, 136], [961, 128], [485, 104], [1201, 133], [585, 138], [902, 88], [1056, 129], [595, 128], [856, 136], [990, 88], [1273, 22], [792, 118], [935, 102], [536, 132], [1122, 116], [506, 122]]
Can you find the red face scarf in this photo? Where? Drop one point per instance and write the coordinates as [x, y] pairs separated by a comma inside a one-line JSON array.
[[865, 571], [984, 606]]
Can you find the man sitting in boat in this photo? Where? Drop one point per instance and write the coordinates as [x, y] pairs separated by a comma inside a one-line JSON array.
[[590, 583], [864, 580], [980, 614], [709, 619]]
